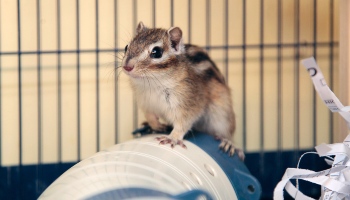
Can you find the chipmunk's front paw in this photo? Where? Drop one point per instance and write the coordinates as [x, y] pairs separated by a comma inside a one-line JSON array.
[[171, 141]]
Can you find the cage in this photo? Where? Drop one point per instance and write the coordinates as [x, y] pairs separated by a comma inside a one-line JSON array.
[[62, 98]]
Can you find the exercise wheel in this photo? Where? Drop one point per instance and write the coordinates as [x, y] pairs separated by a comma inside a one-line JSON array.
[[143, 169]]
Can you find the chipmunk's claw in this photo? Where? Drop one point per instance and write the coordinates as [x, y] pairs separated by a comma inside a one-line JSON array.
[[173, 142], [227, 147]]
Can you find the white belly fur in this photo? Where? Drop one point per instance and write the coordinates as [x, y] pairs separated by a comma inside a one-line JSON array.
[[158, 100]]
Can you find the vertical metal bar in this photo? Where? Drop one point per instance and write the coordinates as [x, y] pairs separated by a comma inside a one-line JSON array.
[[38, 168], [97, 80], [226, 34], [279, 77], [279, 86], [135, 109], [314, 102], [331, 60], [19, 79], [78, 80], [134, 10], [296, 79], [208, 25], [116, 88], [19, 94], [171, 13], [154, 13], [244, 95], [39, 79], [261, 87], [189, 20], [59, 82]]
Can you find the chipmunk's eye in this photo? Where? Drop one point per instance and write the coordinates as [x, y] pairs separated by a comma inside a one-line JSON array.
[[156, 52], [126, 48]]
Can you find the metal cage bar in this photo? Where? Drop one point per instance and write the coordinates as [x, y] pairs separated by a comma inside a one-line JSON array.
[[281, 46]]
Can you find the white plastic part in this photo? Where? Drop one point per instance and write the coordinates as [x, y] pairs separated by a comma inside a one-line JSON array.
[[143, 163]]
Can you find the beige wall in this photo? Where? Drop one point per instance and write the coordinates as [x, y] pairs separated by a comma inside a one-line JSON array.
[[344, 62], [125, 31]]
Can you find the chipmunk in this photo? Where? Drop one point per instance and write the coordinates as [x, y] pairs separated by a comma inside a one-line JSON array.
[[180, 84]]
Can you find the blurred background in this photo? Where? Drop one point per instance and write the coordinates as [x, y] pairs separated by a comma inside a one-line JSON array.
[[62, 98]]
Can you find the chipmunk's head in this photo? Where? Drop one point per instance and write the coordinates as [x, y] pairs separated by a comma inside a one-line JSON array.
[[152, 51]]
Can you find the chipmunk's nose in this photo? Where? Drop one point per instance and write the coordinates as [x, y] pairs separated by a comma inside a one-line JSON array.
[[128, 68]]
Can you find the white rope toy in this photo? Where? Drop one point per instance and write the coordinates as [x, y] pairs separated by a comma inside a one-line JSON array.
[[335, 181]]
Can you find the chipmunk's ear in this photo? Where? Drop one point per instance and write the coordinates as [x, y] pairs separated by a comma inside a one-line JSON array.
[[175, 36], [140, 27]]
